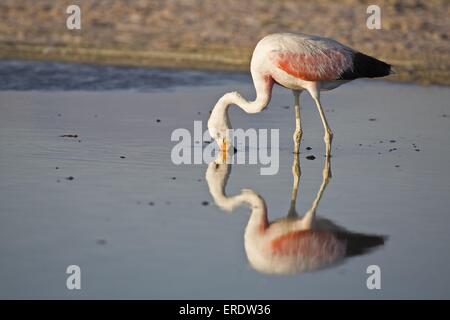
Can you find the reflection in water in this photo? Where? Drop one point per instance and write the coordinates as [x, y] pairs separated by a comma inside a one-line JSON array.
[[291, 244]]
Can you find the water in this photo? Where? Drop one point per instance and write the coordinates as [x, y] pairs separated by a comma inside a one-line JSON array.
[[136, 232], [55, 76]]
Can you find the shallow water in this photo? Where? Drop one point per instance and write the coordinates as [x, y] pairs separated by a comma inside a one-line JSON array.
[[55, 76], [178, 247]]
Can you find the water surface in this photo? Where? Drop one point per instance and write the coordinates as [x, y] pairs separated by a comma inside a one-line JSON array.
[[141, 227]]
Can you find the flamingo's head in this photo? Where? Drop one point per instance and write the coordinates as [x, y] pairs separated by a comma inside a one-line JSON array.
[[220, 133], [219, 126]]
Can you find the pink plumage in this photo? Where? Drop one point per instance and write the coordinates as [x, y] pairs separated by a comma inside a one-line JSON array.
[[326, 65]]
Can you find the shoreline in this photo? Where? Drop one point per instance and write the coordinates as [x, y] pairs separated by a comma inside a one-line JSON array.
[[416, 71], [123, 57], [413, 36]]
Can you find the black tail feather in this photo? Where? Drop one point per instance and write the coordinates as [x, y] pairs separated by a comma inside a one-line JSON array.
[[359, 243], [365, 66]]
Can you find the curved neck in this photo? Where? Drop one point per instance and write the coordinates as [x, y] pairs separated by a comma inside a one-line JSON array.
[[219, 114], [263, 87], [258, 221], [217, 177]]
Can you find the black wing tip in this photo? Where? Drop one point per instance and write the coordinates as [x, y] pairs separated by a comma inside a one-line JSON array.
[[389, 69], [359, 243], [365, 66]]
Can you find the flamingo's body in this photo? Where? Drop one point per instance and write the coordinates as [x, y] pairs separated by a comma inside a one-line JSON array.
[[297, 62], [291, 244]]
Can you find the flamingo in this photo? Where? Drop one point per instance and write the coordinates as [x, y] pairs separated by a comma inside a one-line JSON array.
[[292, 244], [298, 62]]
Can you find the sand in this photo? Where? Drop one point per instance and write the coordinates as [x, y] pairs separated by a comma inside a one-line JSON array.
[[107, 200], [222, 34]]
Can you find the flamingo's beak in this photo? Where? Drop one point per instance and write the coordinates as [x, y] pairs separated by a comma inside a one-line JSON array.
[[224, 149], [224, 145]]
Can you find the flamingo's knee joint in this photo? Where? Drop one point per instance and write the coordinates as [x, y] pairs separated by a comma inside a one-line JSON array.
[[297, 136]]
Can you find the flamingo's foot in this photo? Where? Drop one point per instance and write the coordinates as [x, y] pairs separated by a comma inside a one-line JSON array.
[[225, 146]]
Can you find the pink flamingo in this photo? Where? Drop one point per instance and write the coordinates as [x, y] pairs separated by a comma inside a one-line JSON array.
[[294, 243], [297, 62]]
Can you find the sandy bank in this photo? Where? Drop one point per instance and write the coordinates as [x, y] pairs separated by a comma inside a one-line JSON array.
[[221, 35]]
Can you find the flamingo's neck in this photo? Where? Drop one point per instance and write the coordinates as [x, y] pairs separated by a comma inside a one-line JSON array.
[[258, 222], [219, 115], [219, 120], [246, 197], [217, 177], [221, 108]]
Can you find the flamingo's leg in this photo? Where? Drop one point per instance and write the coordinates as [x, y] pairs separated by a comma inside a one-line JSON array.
[[308, 219], [296, 172], [328, 137], [298, 125]]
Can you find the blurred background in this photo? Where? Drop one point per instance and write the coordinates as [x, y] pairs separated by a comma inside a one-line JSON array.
[[414, 34]]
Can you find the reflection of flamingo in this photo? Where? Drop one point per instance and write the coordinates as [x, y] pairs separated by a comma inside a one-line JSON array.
[[291, 244], [298, 62]]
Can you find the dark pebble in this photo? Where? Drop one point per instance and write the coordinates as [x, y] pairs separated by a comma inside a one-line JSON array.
[[310, 157], [101, 242], [56, 168], [205, 203], [69, 136], [308, 148], [151, 203], [174, 178], [207, 142], [372, 119], [397, 166], [199, 113], [69, 178], [122, 157], [158, 120], [392, 141], [444, 116], [59, 114], [417, 150]]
